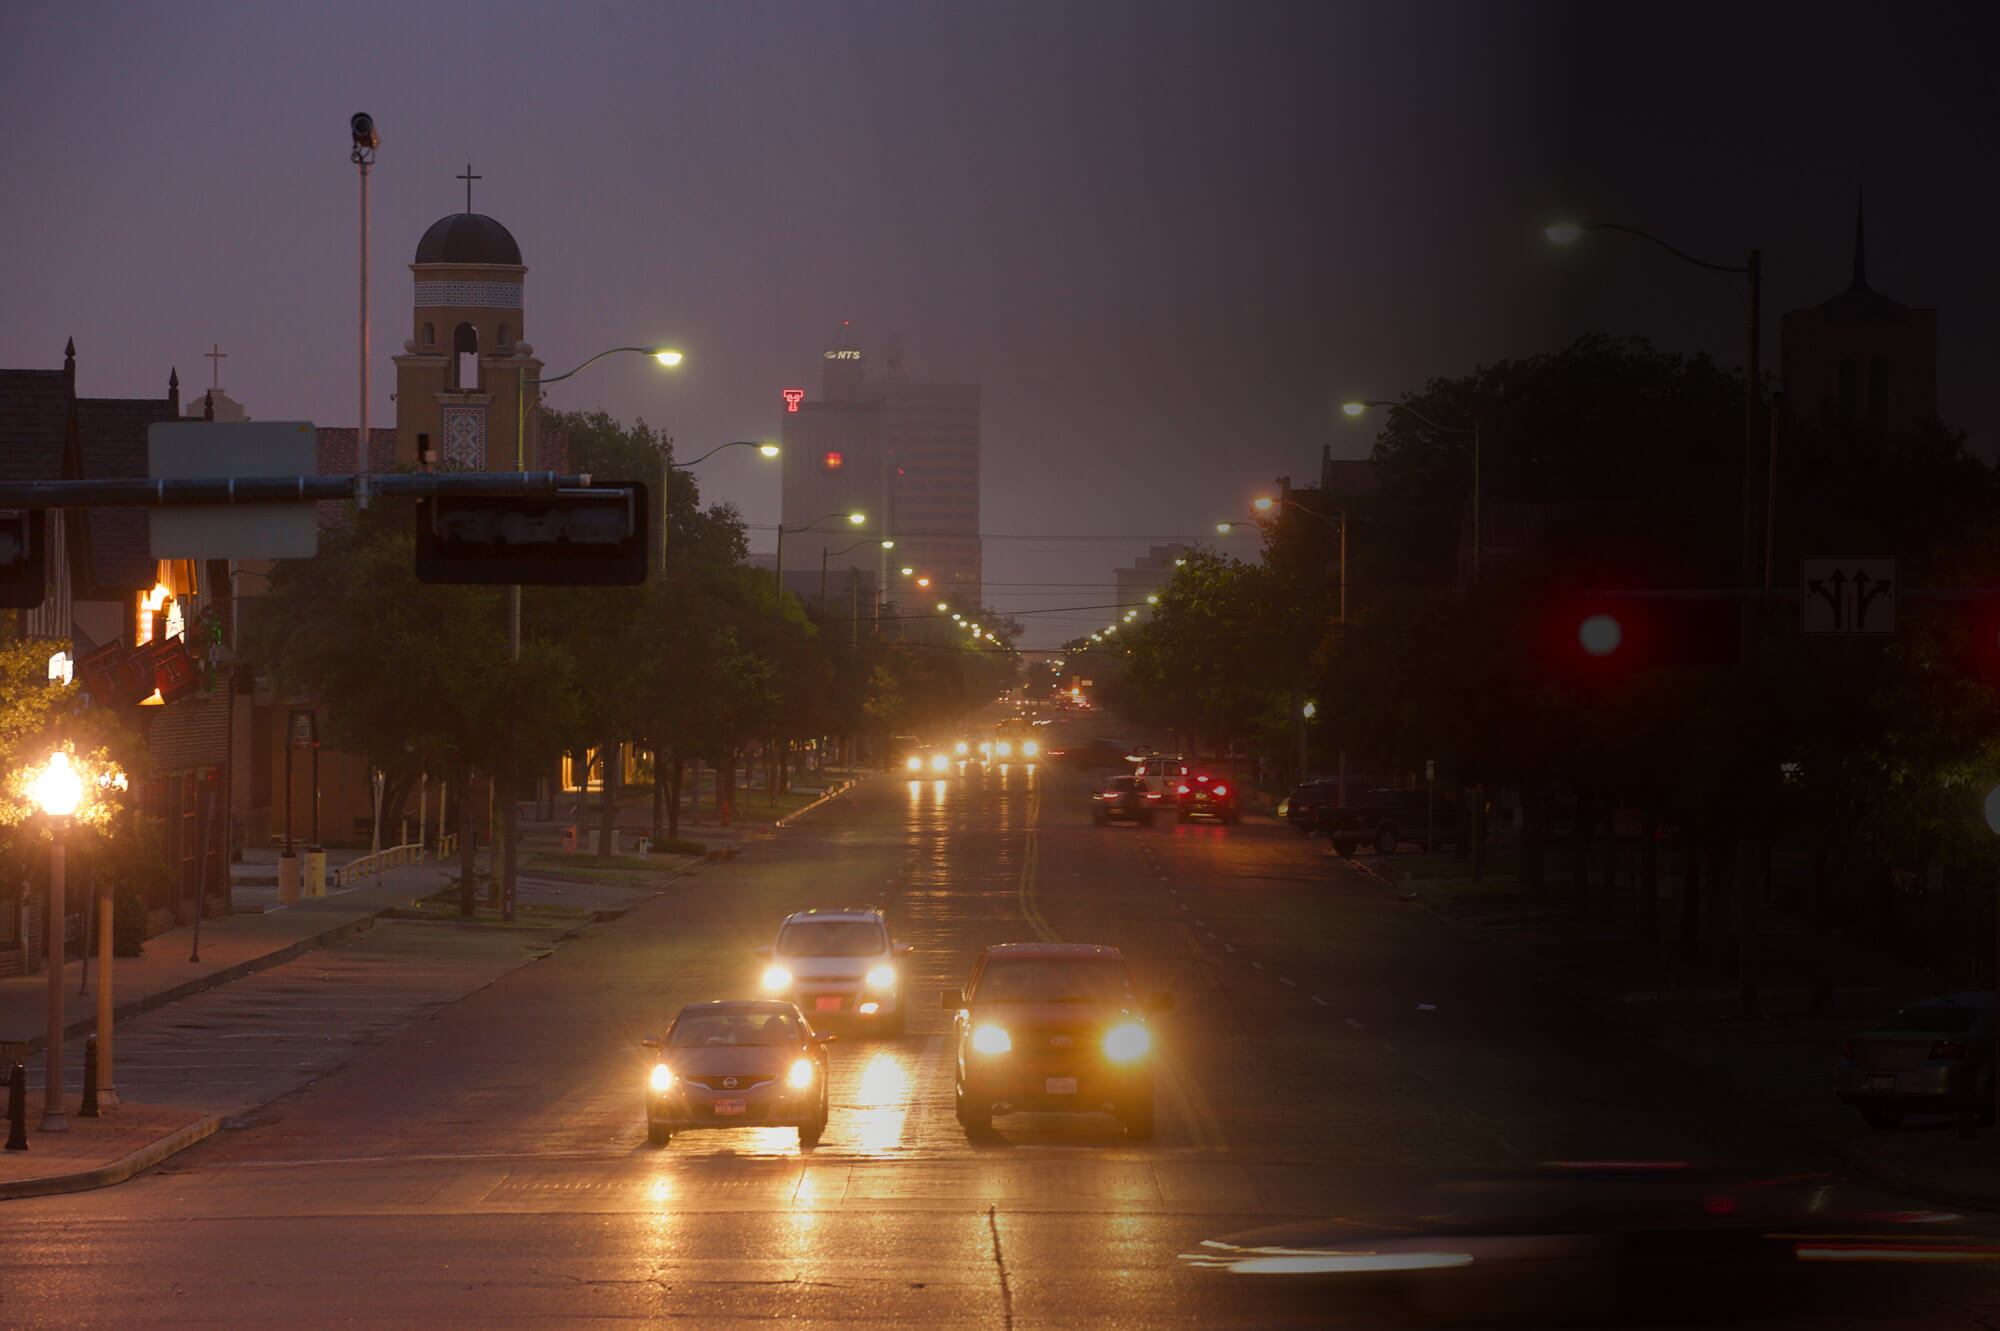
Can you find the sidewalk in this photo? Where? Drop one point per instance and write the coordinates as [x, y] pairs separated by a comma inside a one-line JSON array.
[[1780, 1065], [261, 933]]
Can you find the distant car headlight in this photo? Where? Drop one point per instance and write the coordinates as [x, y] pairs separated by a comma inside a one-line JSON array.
[[915, 764], [1004, 749], [882, 977], [963, 750], [777, 978], [1030, 749], [663, 1076], [991, 1040], [802, 1073], [940, 763], [1124, 1043]]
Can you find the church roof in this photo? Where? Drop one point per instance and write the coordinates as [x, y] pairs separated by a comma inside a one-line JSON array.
[[468, 238], [34, 424], [1861, 303]]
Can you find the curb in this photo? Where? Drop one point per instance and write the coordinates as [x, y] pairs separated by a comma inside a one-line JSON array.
[[118, 1170], [1915, 1185], [836, 792]]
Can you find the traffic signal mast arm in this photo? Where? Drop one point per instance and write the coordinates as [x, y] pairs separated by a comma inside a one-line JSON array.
[[171, 491]]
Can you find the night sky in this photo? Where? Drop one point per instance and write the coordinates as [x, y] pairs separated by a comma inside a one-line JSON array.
[[1166, 238]]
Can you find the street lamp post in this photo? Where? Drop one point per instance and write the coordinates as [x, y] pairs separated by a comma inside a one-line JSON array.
[[57, 790], [823, 556], [768, 450], [1264, 504], [857, 518], [1359, 405], [1752, 269], [505, 851]]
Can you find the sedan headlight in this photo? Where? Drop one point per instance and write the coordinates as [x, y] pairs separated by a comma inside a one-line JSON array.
[[1004, 749], [777, 978], [1124, 1043], [882, 977], [991, 1040], [963, 750], [1030, 749], [663, 1076], [915, 764], [802, 1073], [940, 763]]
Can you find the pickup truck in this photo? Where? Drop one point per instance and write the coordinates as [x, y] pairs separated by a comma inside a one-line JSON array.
[[1386, 819]]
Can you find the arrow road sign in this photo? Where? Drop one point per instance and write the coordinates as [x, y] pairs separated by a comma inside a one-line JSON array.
[[1847, 596]]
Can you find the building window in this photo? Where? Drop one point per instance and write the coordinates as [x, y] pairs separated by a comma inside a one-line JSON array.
[[430, 334], [503, 341], [465, 357]]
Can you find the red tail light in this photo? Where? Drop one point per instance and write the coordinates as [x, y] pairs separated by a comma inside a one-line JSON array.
[[1847, 1049], [1947, 1049]]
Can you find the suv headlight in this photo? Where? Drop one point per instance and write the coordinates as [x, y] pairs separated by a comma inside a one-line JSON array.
[[915, 764], [802, 1073], [663, 1076], [991, 1040], [777, 978], [882, 977], [939, 762], [1122, 1044]]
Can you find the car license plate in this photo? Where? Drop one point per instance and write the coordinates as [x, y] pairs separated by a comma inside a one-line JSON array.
[[1878, 1083], [723, 1107], [827, 1003], [1059, 1086]]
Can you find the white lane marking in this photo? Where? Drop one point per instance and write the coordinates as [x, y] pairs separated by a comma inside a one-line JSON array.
[[1386, 1045], [1286, 979], [1258, 965], [1201, 924], [1425, 1075], [1352, 1022], [1229, 947], [1317, 999]]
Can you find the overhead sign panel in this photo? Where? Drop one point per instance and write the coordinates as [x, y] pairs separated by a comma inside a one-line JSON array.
[[222, 449]]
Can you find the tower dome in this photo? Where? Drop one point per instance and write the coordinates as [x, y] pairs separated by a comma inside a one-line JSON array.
[[468, 238]]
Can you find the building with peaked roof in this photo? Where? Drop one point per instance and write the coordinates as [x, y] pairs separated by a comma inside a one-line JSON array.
[[1860, 361]]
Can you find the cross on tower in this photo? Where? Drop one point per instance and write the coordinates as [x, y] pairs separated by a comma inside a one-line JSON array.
[[468, 178], [216, 357]]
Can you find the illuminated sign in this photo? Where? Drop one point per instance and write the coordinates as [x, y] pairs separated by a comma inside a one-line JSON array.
[[833, 462], [842, 355], [794, 396]]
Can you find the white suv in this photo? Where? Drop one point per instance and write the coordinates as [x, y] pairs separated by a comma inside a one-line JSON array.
[[838, 965]]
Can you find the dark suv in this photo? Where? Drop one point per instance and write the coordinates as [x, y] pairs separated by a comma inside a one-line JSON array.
[[1200, 795], [1386, 819], [1302, 807], [1129, 797]]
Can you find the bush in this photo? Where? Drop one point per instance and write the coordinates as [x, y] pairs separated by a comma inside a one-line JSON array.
[[128, 924]]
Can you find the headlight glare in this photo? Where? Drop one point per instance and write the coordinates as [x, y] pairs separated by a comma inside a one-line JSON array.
[[991, 1040], [663, 1076], [915, 764], [939, 762], [802, 1073], [882, 977], [777, 978], [1124, 1043]]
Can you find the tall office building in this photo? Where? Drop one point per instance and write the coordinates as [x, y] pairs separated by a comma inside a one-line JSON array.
[[904, 453]]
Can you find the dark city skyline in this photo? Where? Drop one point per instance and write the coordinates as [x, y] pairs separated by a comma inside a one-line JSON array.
[[1164, 240]]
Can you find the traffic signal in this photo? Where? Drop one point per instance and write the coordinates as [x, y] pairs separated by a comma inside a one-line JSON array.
[[585, 537], [1598, 638], [22, 584]]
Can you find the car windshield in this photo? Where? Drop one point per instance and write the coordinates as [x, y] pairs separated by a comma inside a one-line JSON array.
[[1054, 980], [831, 938], [1939, 1018], [699, 1030]]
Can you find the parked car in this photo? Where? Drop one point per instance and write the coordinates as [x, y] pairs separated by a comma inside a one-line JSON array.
[[1102, 751], [743, 1063], [1386, 819], [1202, 795], [1053, 1027], [1128, 797], [1301, 808], [1933, 1057], [838, 965]]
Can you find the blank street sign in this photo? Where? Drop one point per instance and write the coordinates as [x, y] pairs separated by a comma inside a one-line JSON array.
[[239, 449]]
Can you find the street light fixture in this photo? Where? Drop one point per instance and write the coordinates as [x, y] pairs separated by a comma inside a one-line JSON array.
[[768, 450], [824, 554], [1752, 268], [857, 518], [1358, 406]]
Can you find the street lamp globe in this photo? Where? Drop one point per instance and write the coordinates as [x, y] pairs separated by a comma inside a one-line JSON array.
[[1262, 503], [769, 450], [667, 357], [1562, 233], [57, 789], [1224, 527], [857, 518], [1354, 408]]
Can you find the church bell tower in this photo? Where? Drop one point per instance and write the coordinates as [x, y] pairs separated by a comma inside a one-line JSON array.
[[465, 368]]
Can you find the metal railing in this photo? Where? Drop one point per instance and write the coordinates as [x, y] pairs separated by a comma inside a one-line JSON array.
[[367, 866]]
